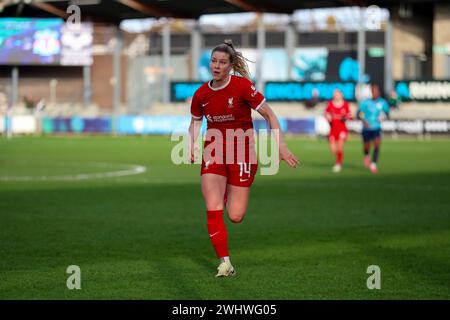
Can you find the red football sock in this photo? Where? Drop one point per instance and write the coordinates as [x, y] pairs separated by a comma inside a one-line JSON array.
[[218, 232], [339, 157]]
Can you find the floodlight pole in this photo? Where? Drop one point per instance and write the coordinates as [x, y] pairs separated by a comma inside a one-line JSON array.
[[117, 78], [196, 44], [8, 121], [388, 83], [15, 86], [361, 48], [87, 86], [166, 62], [14, 99], [261, 44], [361, 45], [290, 44]]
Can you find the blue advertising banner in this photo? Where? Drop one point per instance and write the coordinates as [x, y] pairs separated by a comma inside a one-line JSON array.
[[171, 124], [166, 125], [262, 124], [301, 126], [153, 124], [77, 125], [301, 91], [423, 90], [292, 126], [277, 90], [182, 91]]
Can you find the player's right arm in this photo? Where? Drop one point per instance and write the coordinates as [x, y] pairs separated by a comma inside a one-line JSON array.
[[195, 126]]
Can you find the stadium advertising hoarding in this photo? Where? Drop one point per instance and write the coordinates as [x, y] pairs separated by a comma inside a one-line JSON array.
[[344, 66], [166, 125], [77, 125], [180, 124], [181, 91], [259, 124], [125, 124], [407, 126], [302, 91], [315, 68], [276, 90], [423, 90], [19, 124], [301, 126], [30, 41], [153, 124], [307, 64]]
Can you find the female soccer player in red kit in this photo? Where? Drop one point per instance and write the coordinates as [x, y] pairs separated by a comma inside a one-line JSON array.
[[226, 102], [337, 112]]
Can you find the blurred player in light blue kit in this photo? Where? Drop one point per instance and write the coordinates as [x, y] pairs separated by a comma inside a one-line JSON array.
[[370, 112]]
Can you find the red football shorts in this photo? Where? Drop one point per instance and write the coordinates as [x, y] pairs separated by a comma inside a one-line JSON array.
[[239, 171], [238, 174], [336, 135], [236, 161]]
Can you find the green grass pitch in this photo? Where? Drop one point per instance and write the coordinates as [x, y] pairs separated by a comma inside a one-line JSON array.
[[308, 233]]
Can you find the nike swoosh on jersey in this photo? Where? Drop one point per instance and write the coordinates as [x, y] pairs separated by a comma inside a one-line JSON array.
[[205, 104], [212, 235], [243, 180]]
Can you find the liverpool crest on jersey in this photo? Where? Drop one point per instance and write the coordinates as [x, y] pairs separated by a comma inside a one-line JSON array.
[[230, 102]]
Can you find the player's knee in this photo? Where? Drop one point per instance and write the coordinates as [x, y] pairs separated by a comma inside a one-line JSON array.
[[214, 205], [236, 218]]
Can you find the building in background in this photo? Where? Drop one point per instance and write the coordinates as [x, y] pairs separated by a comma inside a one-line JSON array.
[[162, 61]]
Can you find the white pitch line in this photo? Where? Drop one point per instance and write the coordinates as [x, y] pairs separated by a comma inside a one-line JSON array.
[[131, 170]]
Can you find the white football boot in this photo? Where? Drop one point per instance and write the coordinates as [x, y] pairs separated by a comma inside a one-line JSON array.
[[337, 168], [225, 269]]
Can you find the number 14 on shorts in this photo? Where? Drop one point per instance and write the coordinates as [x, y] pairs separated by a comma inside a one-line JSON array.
[[244, 168]]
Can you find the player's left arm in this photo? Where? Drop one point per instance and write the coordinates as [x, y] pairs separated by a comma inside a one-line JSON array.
[[285, 154], [257, 102], [348, 113]]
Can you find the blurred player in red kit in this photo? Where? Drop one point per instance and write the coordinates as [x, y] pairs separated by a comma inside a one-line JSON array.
[[227, 102], [337, 112]]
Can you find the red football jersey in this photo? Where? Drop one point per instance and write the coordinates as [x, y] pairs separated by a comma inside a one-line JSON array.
[[229, 106], [338, 115]]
